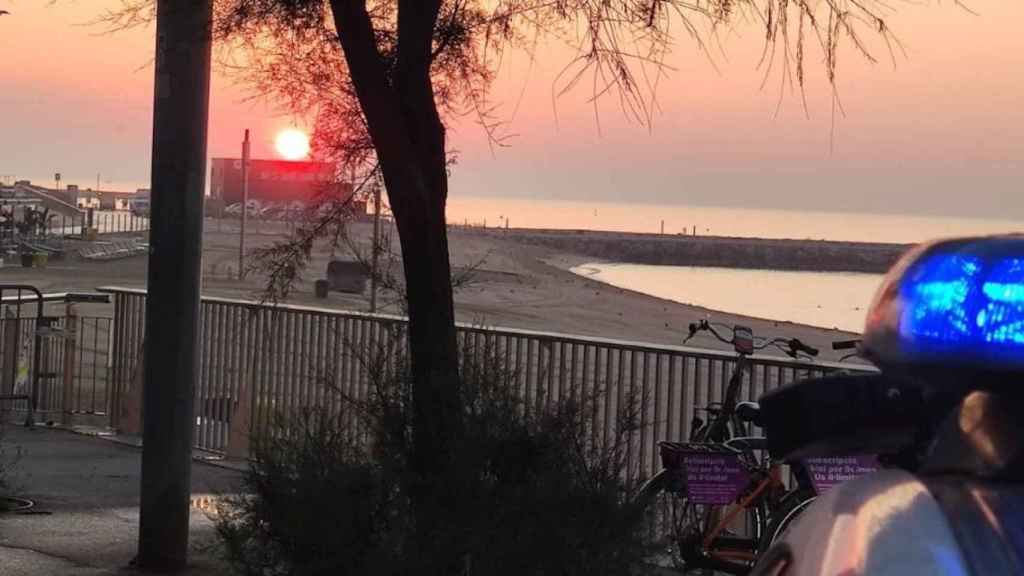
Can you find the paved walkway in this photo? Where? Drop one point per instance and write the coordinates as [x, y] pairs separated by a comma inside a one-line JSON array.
[[86, 493], [85, 520]]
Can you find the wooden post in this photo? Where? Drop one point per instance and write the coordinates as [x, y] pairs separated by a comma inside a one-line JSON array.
[[70, 341]]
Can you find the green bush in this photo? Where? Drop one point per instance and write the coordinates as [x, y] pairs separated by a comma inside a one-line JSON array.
[[329, 492], [314, 504]]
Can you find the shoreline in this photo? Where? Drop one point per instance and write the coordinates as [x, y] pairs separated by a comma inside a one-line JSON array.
[[717, 311], [829, 300], [708, 251], [594, 308]]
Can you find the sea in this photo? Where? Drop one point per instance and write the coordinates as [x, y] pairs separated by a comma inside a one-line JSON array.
[[825, 299]]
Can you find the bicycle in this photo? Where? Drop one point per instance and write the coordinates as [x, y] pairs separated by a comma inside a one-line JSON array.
[[702, 534]]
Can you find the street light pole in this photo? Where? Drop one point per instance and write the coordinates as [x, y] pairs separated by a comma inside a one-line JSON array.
[[181, 98], [245, 205], [375, 255]]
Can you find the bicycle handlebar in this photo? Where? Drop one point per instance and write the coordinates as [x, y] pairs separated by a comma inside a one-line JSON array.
[[798, 346], [704, 325], [790, 346]]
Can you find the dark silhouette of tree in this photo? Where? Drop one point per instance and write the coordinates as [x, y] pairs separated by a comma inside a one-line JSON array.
[[382, 77]]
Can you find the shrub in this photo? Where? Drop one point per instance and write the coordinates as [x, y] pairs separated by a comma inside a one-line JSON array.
[[329, 492], [314, 504]]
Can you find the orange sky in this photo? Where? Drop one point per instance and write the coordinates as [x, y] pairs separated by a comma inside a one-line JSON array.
[[943, 132]]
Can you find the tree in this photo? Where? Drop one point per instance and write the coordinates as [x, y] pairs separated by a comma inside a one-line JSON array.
[[382, 78]]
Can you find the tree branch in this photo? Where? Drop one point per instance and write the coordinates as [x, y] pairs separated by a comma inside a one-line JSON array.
[[368, 75]]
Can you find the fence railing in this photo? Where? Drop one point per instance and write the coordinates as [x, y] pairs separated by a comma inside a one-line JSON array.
[[261, 360], [73, 366], [120, 221], [104, 221]]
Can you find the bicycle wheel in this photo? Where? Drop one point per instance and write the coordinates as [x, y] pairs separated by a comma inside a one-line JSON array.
[[679, 528], [788, 510]]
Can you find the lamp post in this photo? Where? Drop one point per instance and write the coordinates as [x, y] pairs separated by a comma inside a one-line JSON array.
[[375, 256], [245, 205]]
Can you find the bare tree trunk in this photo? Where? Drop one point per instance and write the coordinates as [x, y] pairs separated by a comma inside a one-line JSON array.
[[409, 138], [436, 411]]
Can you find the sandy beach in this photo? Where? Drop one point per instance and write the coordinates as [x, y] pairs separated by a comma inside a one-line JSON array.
[[515, 285]]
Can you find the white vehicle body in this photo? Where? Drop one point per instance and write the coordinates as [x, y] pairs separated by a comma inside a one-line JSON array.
[[883, 524]]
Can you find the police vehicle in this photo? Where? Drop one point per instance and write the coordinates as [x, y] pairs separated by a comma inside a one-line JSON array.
[[944, 415]]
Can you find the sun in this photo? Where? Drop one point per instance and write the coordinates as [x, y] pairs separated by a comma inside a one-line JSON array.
[[292, 144]]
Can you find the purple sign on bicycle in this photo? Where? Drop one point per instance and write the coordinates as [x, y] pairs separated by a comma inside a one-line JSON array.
[[713, 478], [829, 472]]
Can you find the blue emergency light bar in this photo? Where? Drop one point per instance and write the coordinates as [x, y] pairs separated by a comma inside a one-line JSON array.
[[954, 302]]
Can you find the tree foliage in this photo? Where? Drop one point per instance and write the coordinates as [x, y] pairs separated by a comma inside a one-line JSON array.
[[288, 51]]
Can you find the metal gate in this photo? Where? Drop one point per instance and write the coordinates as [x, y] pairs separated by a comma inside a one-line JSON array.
[[54, 364], [21, 334]]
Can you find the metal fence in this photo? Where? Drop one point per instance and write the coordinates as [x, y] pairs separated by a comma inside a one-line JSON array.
[[62, 224], [261, 360], [104, 221], [118, 222], [73, 366]]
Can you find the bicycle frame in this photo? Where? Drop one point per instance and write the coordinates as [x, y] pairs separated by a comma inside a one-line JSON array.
[[772, 479], [717, 430]]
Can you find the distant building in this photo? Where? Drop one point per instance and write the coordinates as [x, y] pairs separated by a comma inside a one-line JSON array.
[[16, 195], [74, 200], [270, 180], [82, 199], [88, 198], [140, 202], [25, 192], [116, 200]]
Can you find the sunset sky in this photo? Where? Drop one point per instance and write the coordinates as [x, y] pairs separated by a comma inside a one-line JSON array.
[[941, 133]]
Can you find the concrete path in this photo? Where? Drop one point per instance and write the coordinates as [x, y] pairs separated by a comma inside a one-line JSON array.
[[85, 520], [86, 493]]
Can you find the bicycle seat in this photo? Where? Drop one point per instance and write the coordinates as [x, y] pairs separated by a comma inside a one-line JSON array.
[[749, 412]]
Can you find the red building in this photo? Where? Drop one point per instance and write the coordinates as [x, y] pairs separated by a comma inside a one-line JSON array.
[[270, 180]]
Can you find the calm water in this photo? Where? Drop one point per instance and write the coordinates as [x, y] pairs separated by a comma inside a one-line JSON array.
[[829, 300], [819, 299], [632, 217]]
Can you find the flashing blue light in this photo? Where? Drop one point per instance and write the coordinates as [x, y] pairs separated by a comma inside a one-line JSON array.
[[1003, 292], [969, 300], [1006, 282]]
